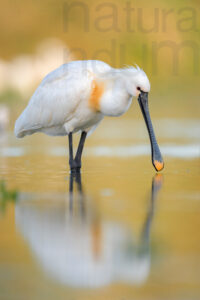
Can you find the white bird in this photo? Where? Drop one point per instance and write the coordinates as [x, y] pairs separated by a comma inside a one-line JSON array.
[[76, 96]]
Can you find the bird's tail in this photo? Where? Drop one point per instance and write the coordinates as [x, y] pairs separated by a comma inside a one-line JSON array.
[[18, 132]]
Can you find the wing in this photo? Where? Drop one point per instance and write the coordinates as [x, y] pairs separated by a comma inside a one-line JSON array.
[[56, 98]]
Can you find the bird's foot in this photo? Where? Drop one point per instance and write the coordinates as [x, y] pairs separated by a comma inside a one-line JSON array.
[[75, 171], [75, 166]]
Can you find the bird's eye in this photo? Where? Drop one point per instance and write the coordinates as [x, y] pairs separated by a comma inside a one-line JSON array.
[[138, 88]]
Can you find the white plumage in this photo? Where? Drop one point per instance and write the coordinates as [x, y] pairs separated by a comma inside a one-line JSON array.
[[61, 103], [76, 97]]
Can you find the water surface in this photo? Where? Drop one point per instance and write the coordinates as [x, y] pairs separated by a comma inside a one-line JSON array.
[[119, 231]]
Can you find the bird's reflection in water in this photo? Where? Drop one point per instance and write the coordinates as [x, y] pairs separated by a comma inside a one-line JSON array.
[[74, 246]]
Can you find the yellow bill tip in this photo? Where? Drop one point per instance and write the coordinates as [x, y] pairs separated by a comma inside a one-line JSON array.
[[158, 165]]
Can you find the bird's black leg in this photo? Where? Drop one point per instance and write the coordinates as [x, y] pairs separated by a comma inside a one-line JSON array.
[[71, 192], [71, 159], [80, 150], [75, 164]]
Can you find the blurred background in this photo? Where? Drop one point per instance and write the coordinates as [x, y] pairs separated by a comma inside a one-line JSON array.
[[147, 250], [162, 38]]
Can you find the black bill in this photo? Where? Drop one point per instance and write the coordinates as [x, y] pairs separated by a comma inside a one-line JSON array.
[[157, 160]]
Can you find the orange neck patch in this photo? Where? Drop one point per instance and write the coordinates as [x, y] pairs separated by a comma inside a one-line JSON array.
[[96, 93]]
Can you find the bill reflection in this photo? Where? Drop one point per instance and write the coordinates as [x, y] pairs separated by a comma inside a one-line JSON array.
[[76, 247]]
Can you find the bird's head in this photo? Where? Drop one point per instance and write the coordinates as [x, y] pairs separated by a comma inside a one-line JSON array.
[[136, 81], [138, 85]]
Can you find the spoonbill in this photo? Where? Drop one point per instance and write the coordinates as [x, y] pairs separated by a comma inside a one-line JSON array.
[[77, 95]]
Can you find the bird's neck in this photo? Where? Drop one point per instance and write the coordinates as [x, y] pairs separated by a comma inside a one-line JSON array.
[[116, 99]]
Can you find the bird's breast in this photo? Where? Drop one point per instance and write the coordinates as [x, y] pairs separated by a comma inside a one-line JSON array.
[[115, 104], [97, 90]]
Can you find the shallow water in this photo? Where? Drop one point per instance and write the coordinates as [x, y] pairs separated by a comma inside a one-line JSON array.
[[117, 232]]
